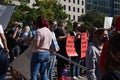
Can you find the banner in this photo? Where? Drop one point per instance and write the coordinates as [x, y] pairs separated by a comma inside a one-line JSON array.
[[108, 22], [84, 44], [70, 47], [22, 63], [5, 15]]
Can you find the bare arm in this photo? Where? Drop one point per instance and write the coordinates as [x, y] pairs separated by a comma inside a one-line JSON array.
[[4, 41], [61, 37], [15, 33]]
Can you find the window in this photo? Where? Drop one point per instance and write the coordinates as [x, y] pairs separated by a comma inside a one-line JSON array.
[[73, 1], [73, 17], [79, 19], [69, 8], [82, 10], [73, 9], [64, 7], [78, 10], [69, 16], [78, 2], [82, 2]]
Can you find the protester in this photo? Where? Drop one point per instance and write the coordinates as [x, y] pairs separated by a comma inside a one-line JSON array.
[[25, 39], [31, 33], [84, 47], [112, 60], [94, 53], [53, 49], [3, 54], [103, 55], [12, 36], [61, 33], [41, 43], [75, 70], [15, 34]]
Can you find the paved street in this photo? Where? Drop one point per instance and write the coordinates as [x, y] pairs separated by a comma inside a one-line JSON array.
[[9, 77]]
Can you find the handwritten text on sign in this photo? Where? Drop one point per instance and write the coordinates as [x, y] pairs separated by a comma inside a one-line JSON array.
[[84, 44], [70, 48]]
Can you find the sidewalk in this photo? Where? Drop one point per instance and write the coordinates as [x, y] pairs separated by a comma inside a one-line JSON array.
[[9, 77]]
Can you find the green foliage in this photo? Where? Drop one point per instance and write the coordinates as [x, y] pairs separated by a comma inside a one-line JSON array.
[[48, 8], [51, 9], [58, 11], [69, 25], [92, 19], [5, 2], [24, 14]]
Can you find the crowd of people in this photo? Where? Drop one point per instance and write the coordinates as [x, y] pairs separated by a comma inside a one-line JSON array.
[[102, 56]]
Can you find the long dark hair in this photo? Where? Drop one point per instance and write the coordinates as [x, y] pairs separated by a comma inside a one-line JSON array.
[[97, 34], [42, 22], [112, 61]]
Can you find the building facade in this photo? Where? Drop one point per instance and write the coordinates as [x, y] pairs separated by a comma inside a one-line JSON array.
[[108, 7], [74, 8]]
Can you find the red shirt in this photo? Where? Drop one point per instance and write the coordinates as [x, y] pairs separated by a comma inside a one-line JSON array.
[[103, 56]]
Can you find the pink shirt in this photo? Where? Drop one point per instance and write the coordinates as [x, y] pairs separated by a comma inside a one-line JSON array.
[[43, 37]]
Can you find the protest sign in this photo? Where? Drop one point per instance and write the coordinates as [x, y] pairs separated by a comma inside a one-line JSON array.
[[70, 48], [84, 44], [22, 63], [108, 22], [5, 15]]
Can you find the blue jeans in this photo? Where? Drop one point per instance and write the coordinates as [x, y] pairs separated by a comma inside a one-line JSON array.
[[39, 63], [3, 64], [75, 70], [51, 66]]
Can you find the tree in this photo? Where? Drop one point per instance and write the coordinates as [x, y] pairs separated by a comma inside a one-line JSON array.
[[92, 19], [23, 14], [51, 9], [5, 2]]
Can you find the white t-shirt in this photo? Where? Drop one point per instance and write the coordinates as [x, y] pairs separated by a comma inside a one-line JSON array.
[[1, 31]]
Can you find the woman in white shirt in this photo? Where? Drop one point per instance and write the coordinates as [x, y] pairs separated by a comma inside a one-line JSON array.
[[3, 54]]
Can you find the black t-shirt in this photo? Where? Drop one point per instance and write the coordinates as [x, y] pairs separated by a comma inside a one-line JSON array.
[[77, 45], [10, 41], [62, 43]]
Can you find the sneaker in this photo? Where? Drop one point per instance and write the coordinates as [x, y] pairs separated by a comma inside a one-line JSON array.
[[75, 78], [80, 77]]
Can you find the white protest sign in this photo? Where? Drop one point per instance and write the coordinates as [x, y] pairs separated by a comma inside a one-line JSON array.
[[5, 15], [108, 22], [2, 9]]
